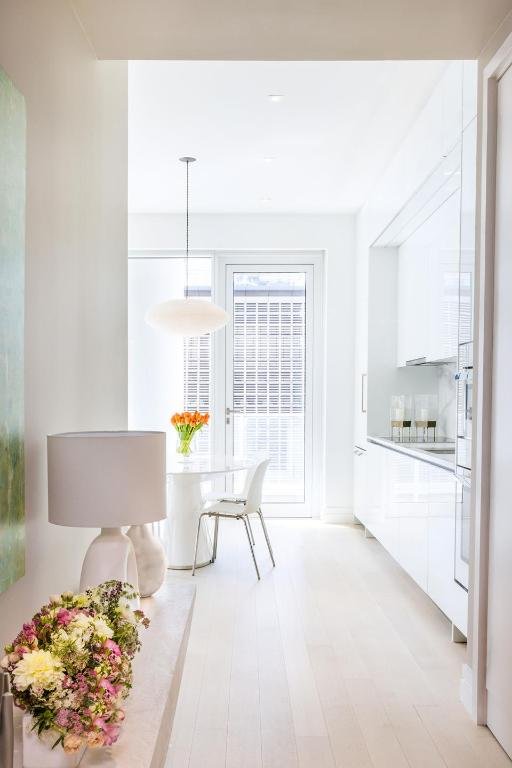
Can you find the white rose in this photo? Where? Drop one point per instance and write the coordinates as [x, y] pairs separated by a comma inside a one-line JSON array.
[[102, 629]]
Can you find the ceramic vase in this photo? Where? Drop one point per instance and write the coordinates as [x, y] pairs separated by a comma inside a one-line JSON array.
[[150, 557], [38, 752]]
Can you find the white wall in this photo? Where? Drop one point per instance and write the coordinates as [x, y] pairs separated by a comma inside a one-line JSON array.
[[75, 324], [335, 235]]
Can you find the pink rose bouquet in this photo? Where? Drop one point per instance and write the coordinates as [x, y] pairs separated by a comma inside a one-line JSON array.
[[71, 665]]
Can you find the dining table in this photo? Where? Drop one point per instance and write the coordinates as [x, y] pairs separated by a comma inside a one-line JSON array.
[[186, 502]]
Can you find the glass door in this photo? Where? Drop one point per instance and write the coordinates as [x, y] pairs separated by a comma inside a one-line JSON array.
[[268, 378]]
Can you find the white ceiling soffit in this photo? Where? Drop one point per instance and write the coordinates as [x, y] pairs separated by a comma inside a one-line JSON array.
[[318, 149], [293, 30]]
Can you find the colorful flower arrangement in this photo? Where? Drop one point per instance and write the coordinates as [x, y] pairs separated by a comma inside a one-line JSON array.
[[186, 425], [71, 666]]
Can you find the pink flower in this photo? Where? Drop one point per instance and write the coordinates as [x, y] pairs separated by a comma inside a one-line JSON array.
[[113, 647], [29, 630], [62, 717], [64, 616], [111, 732], [107, 685]]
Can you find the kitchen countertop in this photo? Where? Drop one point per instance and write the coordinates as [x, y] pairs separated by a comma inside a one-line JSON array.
[[416, 450]]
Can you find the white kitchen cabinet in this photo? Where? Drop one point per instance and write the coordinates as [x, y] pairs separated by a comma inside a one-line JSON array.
[[443, 281], [469, 91], [442, 587], [467, 233], [374, 514], [360, 483], [361, 350], [412, 325], [410, 509], [407, 505], [428, 287], [452, 105]]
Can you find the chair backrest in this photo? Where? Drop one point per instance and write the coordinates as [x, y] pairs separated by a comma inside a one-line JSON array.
[[255, 487], [248, 479]]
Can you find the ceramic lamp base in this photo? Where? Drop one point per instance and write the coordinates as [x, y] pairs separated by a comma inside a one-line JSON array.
[[110, 556], [150, 556], [38, 752]]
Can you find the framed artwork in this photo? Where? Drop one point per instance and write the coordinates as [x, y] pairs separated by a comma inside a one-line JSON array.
[[12, 289]]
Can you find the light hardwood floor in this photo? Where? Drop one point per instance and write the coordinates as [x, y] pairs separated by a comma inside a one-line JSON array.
[[335, 659]]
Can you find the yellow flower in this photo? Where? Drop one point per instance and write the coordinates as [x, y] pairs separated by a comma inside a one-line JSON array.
[[39, 668]]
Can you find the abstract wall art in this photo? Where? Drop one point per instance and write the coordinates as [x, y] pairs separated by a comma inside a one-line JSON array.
[[12, 282]]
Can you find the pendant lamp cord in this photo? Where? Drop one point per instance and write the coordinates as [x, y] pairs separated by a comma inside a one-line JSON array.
[[186, 258]]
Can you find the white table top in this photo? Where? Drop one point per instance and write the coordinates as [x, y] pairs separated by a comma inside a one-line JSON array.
[[201, 465]]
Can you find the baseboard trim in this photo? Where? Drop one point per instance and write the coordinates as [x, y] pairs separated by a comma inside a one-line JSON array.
[[338, 515], [466, 689]]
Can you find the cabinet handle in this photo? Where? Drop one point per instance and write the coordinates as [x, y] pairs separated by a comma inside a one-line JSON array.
[[363, 393]]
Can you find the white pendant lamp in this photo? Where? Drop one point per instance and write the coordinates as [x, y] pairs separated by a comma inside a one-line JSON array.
[[187, 317]]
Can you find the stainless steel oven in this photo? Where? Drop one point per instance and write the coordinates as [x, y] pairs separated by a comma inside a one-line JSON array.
[[464, 381], [462, 533]]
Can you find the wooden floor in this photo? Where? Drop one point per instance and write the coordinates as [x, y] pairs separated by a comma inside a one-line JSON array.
[[336, 658]]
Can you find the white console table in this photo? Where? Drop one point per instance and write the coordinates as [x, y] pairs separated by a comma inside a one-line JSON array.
[[157, 676]]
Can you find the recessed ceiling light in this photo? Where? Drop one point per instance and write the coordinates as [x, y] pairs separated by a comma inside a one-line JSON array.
[[275, 97], [268, 159], [265, 199]]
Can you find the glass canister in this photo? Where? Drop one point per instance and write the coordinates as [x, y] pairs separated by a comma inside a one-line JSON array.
[[400, 416], [425, 417]]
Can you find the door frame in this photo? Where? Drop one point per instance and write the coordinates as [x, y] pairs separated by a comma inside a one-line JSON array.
[[288, 258], [492, 66]]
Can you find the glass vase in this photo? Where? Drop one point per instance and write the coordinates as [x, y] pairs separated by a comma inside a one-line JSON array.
[[38, 752], [185, 445]]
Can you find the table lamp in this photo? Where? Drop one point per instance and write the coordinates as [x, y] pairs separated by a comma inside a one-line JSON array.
[[107, 480]]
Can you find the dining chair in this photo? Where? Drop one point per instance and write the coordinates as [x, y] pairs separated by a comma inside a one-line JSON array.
[[238, 498], [239, 508]]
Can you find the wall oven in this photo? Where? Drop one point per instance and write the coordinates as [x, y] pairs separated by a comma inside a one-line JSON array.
[[462, 533], [464, 382]]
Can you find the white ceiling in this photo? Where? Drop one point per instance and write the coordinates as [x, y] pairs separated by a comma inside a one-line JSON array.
[[293, 30], [331, 136]]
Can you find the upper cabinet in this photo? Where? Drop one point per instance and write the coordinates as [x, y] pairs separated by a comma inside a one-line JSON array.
[[452, 106], [437, 236], [443, 282], [412, 304], [428, 288], [469, 92], [467, 233]]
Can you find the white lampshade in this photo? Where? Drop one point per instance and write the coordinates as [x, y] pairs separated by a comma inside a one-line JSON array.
[[187, 317], [106, 479]]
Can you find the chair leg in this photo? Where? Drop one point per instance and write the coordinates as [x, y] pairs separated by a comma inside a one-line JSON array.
[[215, 539], [263, 525], [197, 542], [250, 531], [244, 520]]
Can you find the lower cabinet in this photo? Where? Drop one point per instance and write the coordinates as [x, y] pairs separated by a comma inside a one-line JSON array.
[[409, 506]]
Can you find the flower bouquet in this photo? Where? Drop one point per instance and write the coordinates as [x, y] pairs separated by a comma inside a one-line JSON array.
[[71, 668], [186, 425]]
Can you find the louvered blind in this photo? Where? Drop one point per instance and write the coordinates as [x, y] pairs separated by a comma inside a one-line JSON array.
[[269, 347], [197, 353]]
